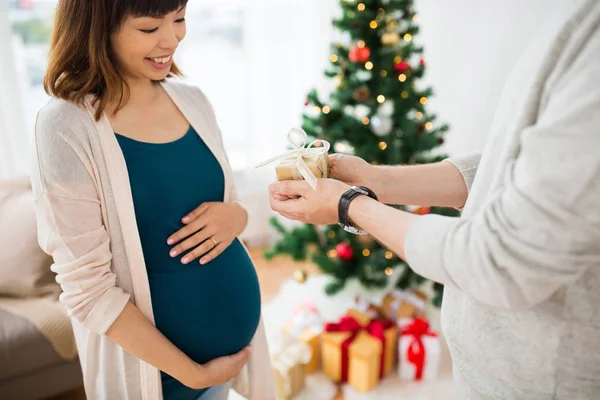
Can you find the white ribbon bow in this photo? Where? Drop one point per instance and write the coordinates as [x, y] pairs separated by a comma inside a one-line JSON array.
[[305, 316], [300, 152], [363, 306]]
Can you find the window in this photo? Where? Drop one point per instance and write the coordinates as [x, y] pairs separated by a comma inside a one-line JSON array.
[[255, 61], [31, 28], [212, 57]]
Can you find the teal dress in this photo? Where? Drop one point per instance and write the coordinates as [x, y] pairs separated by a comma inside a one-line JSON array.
[[207, 311]]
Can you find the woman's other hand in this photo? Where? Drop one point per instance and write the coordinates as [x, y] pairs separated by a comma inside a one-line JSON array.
[[217, 371]]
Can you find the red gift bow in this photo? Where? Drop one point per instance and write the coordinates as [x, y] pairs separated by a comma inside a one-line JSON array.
[[416, 350], [375, 328]]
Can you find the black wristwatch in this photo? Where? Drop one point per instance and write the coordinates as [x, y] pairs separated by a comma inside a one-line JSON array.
[[344, 204]]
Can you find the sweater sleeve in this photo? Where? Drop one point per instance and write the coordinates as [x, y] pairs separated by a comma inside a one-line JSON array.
[[467, 166], [541, 230], [71, 228]]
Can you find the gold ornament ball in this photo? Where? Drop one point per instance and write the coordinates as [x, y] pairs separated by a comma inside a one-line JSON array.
[[390, 38], [300, 275]]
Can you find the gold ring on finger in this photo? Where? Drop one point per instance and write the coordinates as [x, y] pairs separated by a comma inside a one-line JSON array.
[[213, 240]]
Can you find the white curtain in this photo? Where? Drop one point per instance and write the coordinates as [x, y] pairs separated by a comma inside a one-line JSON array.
[[288, 42], [14, 140]]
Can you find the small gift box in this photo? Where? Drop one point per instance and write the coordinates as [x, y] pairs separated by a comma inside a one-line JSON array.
[[358, 350], [288, 360], [306, 325], [309, 162], [419, 351], [367, 308], [399, 305]]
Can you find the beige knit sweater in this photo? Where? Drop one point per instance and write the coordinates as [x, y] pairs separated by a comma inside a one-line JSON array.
[[521, 309]]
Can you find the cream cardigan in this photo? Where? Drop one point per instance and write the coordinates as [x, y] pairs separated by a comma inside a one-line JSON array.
[[87, 223]]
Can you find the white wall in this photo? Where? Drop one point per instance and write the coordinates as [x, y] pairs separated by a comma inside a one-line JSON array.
[[470, 47]]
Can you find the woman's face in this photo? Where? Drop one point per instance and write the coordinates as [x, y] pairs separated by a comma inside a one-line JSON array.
[[144, 46]]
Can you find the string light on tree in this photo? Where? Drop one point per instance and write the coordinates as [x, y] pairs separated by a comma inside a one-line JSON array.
[[326, 110], [331, 234], [382, 145], [373, 24], [360, 7], [332, 253], [423, 100], [419, 115], [380, 99], [404, 94], [415, 17], [402, 78], [428, 125], [389, 255], [408, 37], [369, 65], [365, 121], [388, 271], [333, 58], [366, 252]]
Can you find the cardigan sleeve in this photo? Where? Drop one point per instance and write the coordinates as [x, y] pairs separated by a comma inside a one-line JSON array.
[[541, 231], [71, 228]]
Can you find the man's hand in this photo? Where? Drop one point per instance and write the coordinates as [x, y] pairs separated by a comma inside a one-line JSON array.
[[298, 201]]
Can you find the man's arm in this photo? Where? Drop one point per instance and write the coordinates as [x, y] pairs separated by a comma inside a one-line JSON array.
[[444, 184], [541, 231]]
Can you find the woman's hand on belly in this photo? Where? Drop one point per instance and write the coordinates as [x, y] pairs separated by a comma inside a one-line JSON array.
[[217, 371], [208, 231]]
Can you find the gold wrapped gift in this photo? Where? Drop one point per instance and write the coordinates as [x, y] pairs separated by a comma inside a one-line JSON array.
[[309, 162], [351, 353], [404, 304], [306, 325], [288, 170], [288, 360]]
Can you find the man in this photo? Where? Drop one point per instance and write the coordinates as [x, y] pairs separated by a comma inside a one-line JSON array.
[[521, 267]]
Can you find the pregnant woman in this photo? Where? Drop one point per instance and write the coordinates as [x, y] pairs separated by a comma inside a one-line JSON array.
[[137, 205]]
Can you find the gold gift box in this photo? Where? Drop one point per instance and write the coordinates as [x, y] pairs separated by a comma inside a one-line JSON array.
[[288, 387], [313, 340], [287, 170], [364, 355], [395, 308]]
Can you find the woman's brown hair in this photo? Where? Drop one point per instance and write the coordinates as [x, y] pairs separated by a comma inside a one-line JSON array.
[[81, 61]]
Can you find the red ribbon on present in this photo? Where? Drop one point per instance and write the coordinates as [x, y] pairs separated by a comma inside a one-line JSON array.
[[375, 328], [416, 350]]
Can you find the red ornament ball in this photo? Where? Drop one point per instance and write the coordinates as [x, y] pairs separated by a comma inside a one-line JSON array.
[[344, 251], [402, 67], [422, 62], [306, 102], [359, 54], [422, 211]]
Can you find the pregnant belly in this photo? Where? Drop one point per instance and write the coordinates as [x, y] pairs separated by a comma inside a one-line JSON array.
[[208, 311]]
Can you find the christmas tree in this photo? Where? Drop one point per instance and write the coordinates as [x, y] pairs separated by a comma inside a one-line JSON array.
[[377, 112]]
